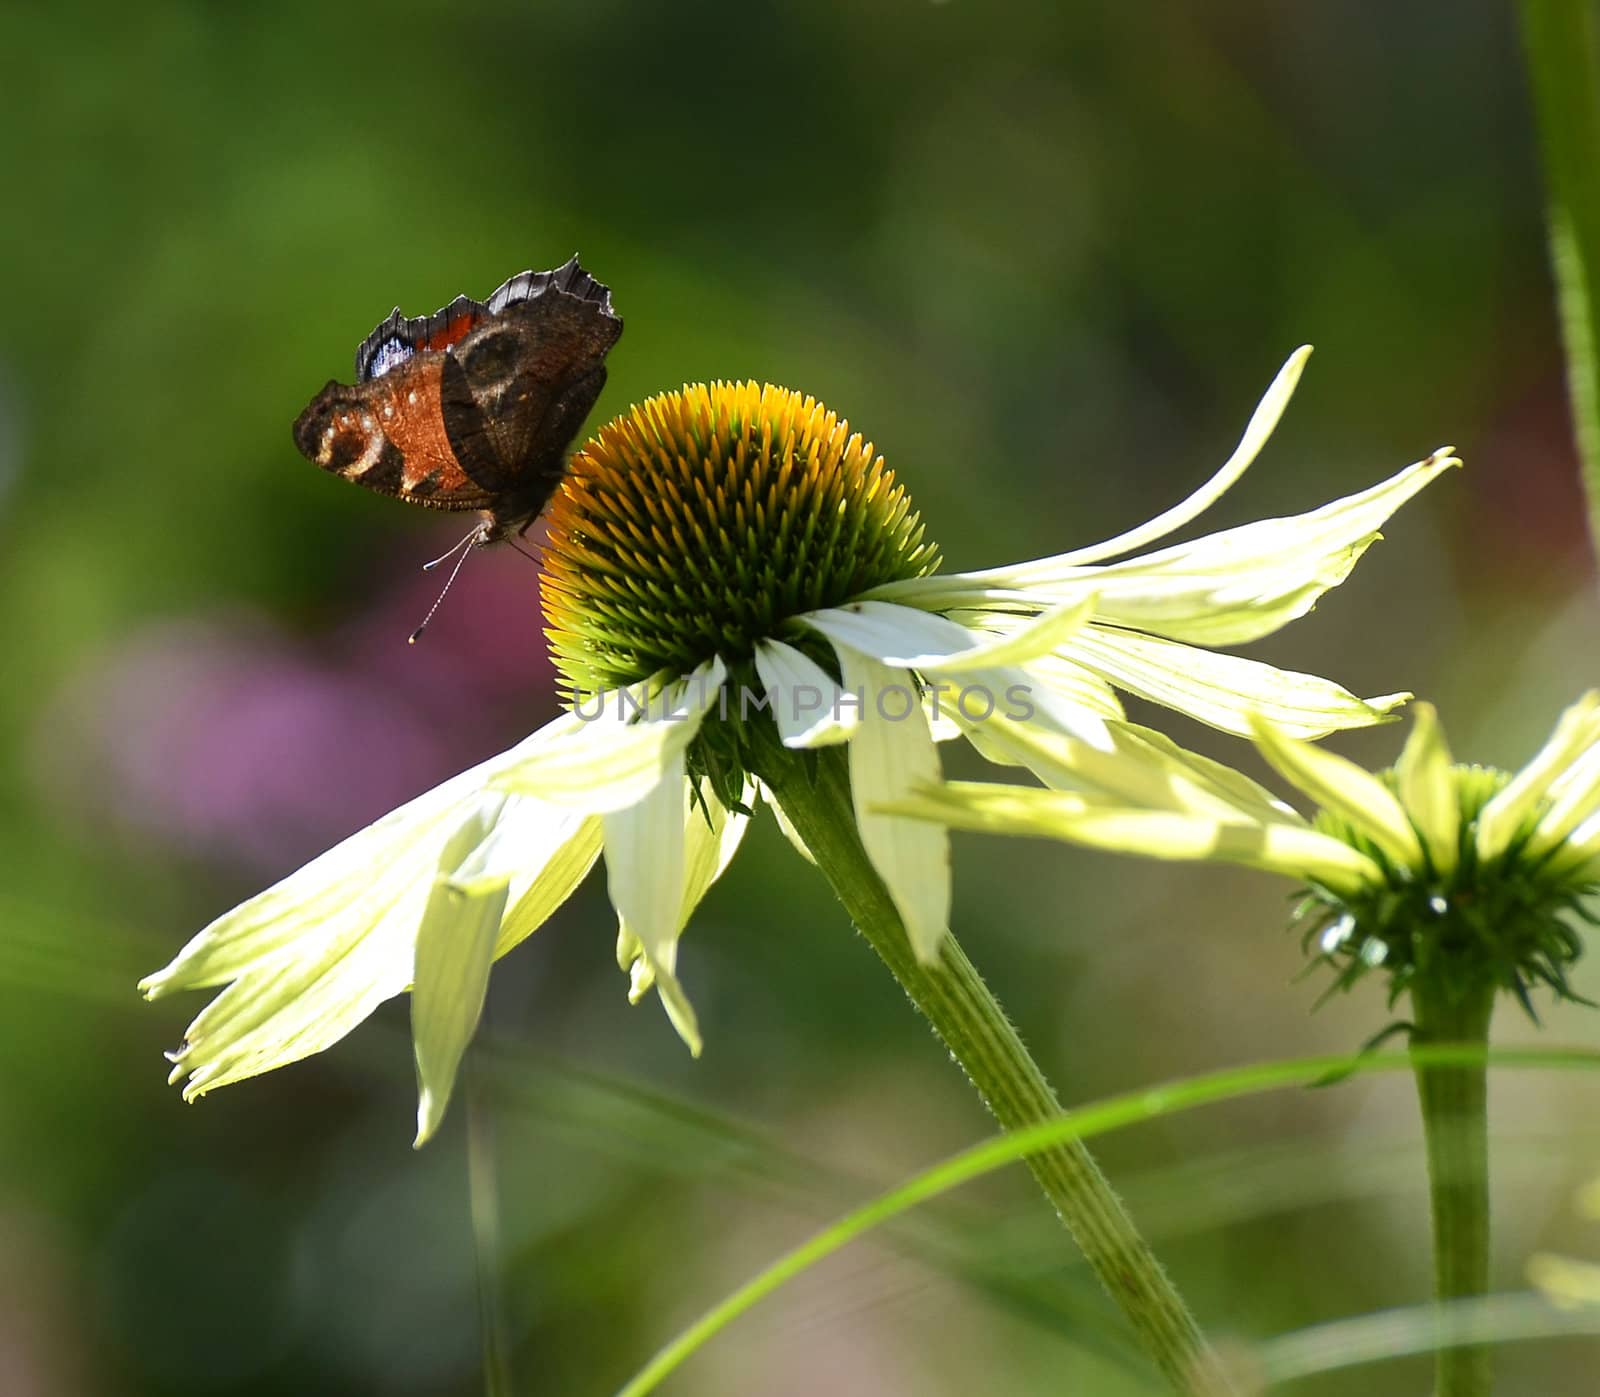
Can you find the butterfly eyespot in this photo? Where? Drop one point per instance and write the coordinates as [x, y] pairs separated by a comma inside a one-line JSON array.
[[496, 355], [389, 353]]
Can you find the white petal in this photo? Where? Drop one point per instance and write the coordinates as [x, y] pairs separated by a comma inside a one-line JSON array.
[[711, 837], [1018, 694], [1017, 674], [1223, 589], [1344, 788], [905, 638], [679, 1011], [1503, 816], [1263, 422], [527, 835], [454, 949], [1295, 850], [291, 916], [786, 825], [314, 955], [1578, 858], [1072, 683], [1144, 771], [1224, 691], [645, 862], [622, 745], [890, 755], [1234, 788], [539, 888], [1238, 585], [941, 725], [1045, 570], [1427, 787], [287, 1009], [806, 702]]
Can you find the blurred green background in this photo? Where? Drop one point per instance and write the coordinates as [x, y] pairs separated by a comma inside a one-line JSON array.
[[1047, 257]]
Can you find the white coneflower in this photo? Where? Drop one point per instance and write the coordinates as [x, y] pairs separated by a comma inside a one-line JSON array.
[[725, 562], [1454, 883]]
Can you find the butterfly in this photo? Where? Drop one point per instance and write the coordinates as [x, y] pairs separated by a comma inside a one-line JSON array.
[[474, 406]]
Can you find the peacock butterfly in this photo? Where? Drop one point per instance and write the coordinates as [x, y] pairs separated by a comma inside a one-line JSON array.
[[474, 406]]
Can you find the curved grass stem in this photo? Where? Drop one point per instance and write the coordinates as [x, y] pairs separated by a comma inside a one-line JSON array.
[[1558, 41]]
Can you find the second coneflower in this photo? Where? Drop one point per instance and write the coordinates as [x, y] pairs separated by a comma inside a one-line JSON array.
[[1453, 883]]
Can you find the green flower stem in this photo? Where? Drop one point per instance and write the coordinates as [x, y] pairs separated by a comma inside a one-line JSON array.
[[1455, 1125], [966, 1015], [1558, 38]]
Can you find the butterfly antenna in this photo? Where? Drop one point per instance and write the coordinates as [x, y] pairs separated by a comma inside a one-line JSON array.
[[474, 537], [464, 548]]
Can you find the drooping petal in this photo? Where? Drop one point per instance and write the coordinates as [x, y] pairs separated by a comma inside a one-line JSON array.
[[1350, 792], [1224, 691], [454, 949], [1243, 583], [1427, 788], [1041, 572], [905, 638], [1222, 589], [536, 890], [289, 919], [1070, 683], [1294, 850], [1143, 771], [977, 696], [338, 954], [680, 1012], [711, 837], [313, 955], [1251, 799], [806, 704], [787, 826], [644, 846], [890, 755], [1509, 809], [287, 1009], [941, 722], [984, 668], [618, 753]]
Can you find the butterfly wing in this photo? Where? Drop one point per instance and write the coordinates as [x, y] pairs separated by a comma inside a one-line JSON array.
[[515, 390], [472, 407], [388, 435]]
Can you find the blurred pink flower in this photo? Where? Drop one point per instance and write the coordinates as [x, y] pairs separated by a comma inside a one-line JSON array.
[[227, 736]]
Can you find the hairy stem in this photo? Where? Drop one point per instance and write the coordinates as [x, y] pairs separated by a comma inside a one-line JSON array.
[[968, 1018]]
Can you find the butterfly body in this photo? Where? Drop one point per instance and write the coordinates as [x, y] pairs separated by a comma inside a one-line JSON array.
[[474, 406]]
